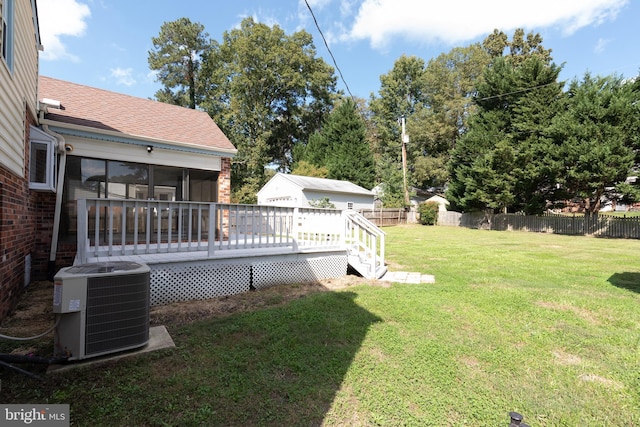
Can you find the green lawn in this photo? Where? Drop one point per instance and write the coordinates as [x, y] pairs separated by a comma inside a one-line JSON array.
[[546, 325]]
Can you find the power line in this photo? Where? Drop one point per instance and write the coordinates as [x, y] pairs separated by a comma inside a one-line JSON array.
[[335, 63], [516, 91]]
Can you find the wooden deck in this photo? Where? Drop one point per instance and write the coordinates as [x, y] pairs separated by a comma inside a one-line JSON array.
[[202, 250]]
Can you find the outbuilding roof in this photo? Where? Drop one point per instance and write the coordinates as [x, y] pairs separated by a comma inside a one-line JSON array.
[[324, 184], [92, 109]]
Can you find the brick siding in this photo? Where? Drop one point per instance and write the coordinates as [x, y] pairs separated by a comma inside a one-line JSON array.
[[24, 230]]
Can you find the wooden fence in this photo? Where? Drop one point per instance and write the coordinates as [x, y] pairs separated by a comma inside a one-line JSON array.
[[385, 217], [593, 225]]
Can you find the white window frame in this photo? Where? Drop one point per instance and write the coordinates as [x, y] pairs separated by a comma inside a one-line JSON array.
[[43, 141], [7, 30]]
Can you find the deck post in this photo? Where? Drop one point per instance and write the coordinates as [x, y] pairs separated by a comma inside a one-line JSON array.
[[83, 220], [295, 227], [212, 229]]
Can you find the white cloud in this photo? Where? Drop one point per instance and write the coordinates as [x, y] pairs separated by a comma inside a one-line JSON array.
[[456, 21], [123, 76], [602, 43], [59, 18]]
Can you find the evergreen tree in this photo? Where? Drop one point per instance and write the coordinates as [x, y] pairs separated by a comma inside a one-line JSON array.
[[176, 57], [598, 131], [508, 160], [350, 158], [341, 148]]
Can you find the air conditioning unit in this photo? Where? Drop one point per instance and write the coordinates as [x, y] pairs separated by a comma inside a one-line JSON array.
[[103, 307]]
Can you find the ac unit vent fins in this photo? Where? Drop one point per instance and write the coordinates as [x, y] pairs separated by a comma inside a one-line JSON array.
[[117, 313]]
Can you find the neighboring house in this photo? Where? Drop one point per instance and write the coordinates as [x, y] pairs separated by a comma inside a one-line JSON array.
[[122, 147], [21, 230], [441, 201], [300, 191]]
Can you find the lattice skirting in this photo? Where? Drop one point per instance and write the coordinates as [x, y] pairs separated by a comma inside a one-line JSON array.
[[198, 280], [310, 270]]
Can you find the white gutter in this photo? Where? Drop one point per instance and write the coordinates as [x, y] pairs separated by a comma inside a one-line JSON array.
[[145, 139], [59, 190]]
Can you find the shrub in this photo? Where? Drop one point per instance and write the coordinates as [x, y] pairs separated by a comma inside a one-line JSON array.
[[322, 203], [428, 213]]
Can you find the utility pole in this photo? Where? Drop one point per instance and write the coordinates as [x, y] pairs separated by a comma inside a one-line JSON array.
[[405, 140]]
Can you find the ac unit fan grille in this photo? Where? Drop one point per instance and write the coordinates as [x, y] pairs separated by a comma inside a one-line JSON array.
[[117, 312]]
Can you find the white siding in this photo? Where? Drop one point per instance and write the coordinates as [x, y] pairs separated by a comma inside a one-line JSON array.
[[341, 200], [280, 191], [136, 153], [17, 88]]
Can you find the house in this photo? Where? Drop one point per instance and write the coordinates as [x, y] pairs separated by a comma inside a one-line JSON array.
[[118, 146], [301, 191], [21, 228], [88, 175], [61, 142]]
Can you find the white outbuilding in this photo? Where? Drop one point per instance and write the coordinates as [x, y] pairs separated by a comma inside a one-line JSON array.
[[441, 201], [301, 191]]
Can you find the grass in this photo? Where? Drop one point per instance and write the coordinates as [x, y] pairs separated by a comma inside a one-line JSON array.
[[545, 325]]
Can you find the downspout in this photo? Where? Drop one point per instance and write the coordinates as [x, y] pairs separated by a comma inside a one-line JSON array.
[[51, 266]]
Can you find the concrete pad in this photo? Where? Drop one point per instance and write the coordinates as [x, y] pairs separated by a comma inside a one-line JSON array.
[[159, 338], [408, 277]]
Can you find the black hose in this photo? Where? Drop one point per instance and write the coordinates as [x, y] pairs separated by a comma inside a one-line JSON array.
[[28, 358], [20, 370]]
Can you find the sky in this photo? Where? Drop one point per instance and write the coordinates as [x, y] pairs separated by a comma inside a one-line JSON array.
[[105, 43]]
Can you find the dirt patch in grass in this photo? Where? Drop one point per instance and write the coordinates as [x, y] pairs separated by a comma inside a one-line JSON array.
[[600, 380], [582, 313], [190, 311], [564, 358], [34, 312]]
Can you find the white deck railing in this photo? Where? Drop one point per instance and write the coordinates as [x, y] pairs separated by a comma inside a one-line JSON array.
[[366, 241], [115, 227]]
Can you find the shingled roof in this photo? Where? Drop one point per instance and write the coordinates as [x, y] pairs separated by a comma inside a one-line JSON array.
[[115, 113], [324, 184]]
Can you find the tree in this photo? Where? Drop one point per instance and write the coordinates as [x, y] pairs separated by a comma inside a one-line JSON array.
[[519, 48], [450, 82], [268, 92], [437, 100], [305, 168], [598, 131], [341, 147], [176, 57], [508, 160], [401, 93], [351, 158]]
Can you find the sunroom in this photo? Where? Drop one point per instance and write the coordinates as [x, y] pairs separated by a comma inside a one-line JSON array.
[[148, 182]]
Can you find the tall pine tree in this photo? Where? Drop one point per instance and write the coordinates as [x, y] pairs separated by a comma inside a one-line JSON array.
[[342, 147]]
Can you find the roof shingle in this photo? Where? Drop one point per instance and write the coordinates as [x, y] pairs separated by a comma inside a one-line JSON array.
[[325, 184], [103, 110]]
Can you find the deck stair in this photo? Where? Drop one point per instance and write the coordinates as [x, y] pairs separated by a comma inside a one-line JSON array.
[[365, 244]]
